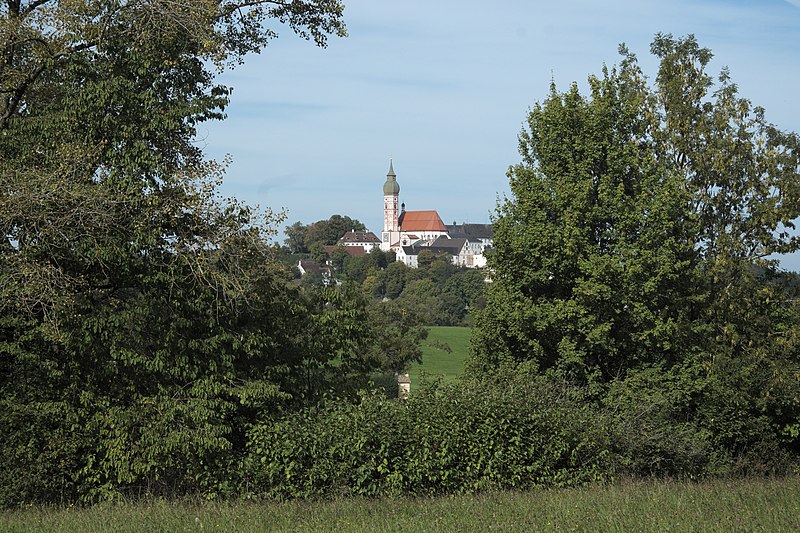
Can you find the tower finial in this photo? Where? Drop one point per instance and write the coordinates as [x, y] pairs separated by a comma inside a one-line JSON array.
[[391, 186]]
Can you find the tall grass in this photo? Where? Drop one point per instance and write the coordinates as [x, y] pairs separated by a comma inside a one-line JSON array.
[[740, 505]]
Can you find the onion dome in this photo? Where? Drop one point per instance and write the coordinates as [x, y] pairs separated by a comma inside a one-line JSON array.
[[391, 186]]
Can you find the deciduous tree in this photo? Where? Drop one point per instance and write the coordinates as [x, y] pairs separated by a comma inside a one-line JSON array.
[[637, 236], [143, 323]]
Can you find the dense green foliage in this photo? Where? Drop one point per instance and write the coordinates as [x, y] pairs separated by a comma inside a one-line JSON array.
[[515, 432], [402, 302], [151, 341], [143, 323], [633, 258], [301, 238], [436, 293]]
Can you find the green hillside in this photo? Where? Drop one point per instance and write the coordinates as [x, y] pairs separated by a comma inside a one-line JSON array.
[[438, 362]]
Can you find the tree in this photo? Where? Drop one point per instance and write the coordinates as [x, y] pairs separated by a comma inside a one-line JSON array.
[[637, 236], [342, 336], [463, 292], [328, 232], [378, 259], [300, 237], [339, 256], [356, 268], [318, 253], [422, 299], [400, 331], [296, 238], [397, 276], [143, 321], [469, 286], [425, 259]]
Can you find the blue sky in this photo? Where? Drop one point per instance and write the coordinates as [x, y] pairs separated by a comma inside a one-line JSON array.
[[443, 86]]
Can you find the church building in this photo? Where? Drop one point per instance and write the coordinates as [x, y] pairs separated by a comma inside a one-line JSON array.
[[408, 232]]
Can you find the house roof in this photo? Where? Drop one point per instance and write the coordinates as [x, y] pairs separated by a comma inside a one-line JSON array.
[[308, 265], [442, 245], [421, 221], [359, 237], [312, 266], [450, 246], [470, 231]]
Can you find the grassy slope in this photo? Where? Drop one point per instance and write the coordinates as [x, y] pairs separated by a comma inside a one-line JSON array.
[[439, 363], [742, 505]]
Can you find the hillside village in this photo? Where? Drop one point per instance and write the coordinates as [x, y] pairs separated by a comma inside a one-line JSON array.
[[407, 233]]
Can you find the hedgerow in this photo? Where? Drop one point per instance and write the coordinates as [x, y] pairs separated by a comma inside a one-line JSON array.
[[517, 433]]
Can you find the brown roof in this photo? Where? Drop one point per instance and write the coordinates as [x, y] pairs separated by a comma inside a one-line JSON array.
[[310, 266], [421, 221], [359, 236]]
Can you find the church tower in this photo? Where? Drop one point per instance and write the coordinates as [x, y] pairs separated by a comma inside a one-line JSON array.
[[391, 211]]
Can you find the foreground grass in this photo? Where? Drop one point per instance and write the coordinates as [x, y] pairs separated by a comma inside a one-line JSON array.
[[439, 363], [742, 505]]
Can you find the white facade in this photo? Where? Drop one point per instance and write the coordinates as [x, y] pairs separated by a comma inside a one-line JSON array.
[[407, 255], [407, 232], [408, 238], [360, 239], [391, 210], [391, 226]]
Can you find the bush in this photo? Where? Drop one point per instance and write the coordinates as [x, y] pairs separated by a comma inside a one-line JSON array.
[[669, 424], [651, 427], [511, 432]]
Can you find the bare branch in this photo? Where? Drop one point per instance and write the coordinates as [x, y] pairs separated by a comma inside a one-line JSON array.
[[32, 6]]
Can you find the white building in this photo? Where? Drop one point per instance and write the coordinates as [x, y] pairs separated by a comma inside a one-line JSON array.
[[360, 239], [408, 232]]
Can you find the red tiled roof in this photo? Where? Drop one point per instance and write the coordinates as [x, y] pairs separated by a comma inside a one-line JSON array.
[[421, 221]]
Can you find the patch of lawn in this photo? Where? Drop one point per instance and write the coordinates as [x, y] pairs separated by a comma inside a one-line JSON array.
[[741, 505], [438, 362]]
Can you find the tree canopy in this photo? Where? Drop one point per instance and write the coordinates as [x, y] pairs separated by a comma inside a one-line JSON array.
[[143, 322], [302, 238], [638, 237]]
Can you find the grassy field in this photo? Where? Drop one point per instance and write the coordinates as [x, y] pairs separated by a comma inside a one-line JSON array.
[[744, 505], [437, 362]]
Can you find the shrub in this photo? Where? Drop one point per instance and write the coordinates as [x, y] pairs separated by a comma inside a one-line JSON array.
[[515, 431]]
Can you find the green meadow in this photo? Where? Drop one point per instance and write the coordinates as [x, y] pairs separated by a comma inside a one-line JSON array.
[[438, 362], [742, 505]]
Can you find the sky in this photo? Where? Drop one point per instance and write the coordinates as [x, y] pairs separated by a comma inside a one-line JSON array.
[[443, 88]]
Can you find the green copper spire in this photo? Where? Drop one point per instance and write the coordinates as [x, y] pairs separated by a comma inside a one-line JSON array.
[[391, 186]]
